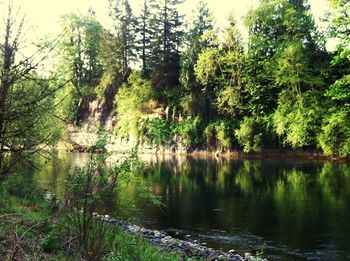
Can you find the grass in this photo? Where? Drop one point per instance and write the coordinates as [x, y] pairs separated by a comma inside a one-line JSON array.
[[31, 230]]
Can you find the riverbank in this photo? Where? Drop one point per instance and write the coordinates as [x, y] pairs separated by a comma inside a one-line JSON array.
[[89, 140], [36, 227], [187, 249], [32, 227]]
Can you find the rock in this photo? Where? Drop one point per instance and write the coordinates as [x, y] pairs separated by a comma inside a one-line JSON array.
[[186, 249], [247, 256]]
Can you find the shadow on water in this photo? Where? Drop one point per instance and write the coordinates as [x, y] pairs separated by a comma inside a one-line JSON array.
[[299, 209]]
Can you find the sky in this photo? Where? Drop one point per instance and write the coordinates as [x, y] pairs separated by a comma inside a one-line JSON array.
[[43, 15]]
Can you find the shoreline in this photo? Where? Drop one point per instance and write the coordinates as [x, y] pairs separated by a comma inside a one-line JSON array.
[[203, 153], [185, 248], [84, 141]]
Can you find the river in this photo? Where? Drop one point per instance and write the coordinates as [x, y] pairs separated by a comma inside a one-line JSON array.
[[292, 209]]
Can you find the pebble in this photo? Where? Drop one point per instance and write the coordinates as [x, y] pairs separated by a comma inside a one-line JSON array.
[[188, 250]]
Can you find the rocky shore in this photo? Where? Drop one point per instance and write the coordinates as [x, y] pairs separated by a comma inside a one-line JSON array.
[[187, 249]]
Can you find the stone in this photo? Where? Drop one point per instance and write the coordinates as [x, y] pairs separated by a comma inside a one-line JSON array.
[[247, 256]]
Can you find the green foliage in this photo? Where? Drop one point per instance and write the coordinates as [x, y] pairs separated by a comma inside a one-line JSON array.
[[101, 142], [196, 40], [79, 61], [251, 133], [164, 58], [158, 131], [94, 189], [53, 241], [133, 100], [190, 131], [284, 50], [294, 70], [339, 89], [334, 137], [220, 134], [80, 51], [20, 186], [133, 247], [298, 121], [218, 69], [30, 225]]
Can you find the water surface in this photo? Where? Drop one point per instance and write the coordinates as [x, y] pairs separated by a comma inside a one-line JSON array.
[[300, 210]]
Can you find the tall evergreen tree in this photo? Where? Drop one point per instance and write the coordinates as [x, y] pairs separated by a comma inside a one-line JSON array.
[[146, 31], [125, 31], [165, 58]]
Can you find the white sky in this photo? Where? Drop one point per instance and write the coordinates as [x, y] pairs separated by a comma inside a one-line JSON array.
[[43, 15]]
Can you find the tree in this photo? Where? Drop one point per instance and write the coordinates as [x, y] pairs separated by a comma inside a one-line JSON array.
[[277, 27], [124, 29], [145, 36], [165, 57], [27, 100], [339, 90], [218, 69], [197, 39], [335, 135], [80, 58]]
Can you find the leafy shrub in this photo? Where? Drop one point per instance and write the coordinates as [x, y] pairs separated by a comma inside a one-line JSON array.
[[158, 131], [250, 134], [334, 137], [221, 134], [52, 242], [190, 131], [297, 122], [101, 142], [132, 102], [92, 191], [20, 186]]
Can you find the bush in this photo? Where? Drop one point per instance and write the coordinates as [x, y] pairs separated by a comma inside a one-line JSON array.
[[92, 192], [23, 187], [190, 131], [250, 134], [335, 134], [132, 101], [158, 131], [53, 240], [134, 247], [297, 121], [220, 134], [89, 190]]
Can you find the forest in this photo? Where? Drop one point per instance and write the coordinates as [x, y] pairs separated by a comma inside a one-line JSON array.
[[271, 86], [194, 84]]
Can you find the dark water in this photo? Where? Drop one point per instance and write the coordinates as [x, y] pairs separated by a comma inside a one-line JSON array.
[[298, 210]]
